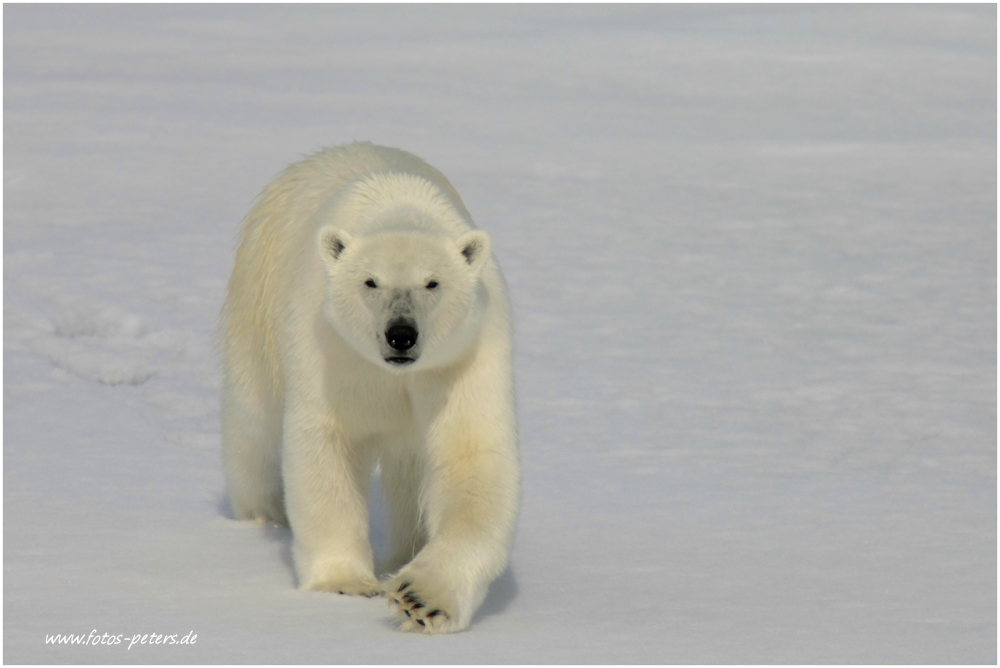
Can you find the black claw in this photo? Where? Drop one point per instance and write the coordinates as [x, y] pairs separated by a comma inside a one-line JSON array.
[[341, 593], [407, 612], [402, 587], [434, 613], [421, 622], [417, 606]]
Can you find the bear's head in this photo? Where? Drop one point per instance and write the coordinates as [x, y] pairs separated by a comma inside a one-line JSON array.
[[406, 300]]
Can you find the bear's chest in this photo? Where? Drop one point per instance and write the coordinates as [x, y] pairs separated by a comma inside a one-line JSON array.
[[367, 403]]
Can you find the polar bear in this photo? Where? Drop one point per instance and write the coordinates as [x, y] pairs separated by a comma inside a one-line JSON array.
[[366, 322]]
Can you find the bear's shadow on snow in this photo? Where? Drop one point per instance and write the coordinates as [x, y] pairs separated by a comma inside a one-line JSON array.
[[502, 592], [283, 536], [273, 532], [226, 510]]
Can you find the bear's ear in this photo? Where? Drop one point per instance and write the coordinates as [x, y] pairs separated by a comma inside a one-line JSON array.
[[332, 242], [475, 248]]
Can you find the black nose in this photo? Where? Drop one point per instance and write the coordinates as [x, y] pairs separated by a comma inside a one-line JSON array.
[[401, 335]]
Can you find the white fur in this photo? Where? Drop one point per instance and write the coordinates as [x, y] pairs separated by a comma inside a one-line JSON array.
[[310, 403]]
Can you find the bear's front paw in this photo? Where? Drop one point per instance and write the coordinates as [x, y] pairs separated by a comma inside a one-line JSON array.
[[340, 581], [421, 606], [362, 588], [260, 514]]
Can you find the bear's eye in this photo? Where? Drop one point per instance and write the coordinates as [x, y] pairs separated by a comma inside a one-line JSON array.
[[371, 284], [432, 285]]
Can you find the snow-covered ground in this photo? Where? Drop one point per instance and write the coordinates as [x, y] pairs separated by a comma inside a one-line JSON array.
[[752, 253]]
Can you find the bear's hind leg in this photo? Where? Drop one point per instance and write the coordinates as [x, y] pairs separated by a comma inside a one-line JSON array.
[[251, 449]]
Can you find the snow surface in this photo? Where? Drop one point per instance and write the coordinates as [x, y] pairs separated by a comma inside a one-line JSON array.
[[752, 253]]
